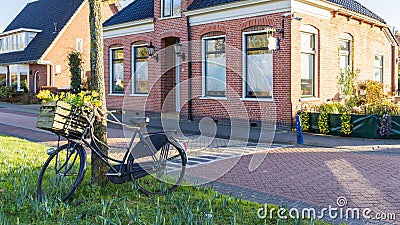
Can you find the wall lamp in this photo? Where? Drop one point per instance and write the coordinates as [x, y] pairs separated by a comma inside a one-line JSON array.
[[151, 50], [284, 16], [178, 50]]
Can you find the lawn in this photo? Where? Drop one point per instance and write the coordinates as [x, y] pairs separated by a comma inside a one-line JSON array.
[[20, 164]]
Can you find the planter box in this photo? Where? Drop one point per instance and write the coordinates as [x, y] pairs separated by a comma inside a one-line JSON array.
[[62, 119], [314, 122], [364, 126]]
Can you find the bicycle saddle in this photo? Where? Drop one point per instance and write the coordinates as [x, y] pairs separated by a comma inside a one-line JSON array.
[[139, 121]]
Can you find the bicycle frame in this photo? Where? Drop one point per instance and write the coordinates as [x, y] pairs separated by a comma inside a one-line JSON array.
[[93, 146]]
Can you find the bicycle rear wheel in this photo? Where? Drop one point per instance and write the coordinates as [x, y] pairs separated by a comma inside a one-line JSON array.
[[162, 173], [62, 173]]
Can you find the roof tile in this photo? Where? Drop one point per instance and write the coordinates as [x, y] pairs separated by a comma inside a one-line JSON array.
[[137, 10]]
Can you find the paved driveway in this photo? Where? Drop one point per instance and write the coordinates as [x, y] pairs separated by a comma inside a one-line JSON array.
[[295, 176]]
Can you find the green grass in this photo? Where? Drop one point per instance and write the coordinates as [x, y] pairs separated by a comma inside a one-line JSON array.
[[20, 164]]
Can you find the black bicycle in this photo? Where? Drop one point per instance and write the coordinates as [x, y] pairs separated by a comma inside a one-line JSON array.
[[155, 162]]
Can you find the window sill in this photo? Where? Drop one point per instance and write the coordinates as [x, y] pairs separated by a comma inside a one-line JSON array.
[[309, 99], [170, 17], [115, 94], [213, 98], [139, 95], [258, 99]]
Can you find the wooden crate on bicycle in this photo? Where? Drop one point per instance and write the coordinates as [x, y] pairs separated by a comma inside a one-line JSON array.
[[61, 118]]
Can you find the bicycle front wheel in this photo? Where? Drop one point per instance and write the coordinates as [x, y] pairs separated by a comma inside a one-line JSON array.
[[62, 173], [163, 172]]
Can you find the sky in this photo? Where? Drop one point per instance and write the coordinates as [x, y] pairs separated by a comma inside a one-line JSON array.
[[387, 9]]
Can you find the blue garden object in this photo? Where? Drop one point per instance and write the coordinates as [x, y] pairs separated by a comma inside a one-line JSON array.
[[299, 131]]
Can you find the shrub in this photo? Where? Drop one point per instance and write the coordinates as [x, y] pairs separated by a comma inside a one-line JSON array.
[[7, 92], [75, 67], [346, 123], [305, 120], [347, 82]]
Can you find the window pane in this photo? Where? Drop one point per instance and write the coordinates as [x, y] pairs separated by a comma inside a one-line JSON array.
[[118, 71], [3, 79], [216, 45], [141, 71], [307, 42], [23, 81], [167, 8], [141, 52], [307, 74], [177, 7], [215, 67], [215, 75], [345, 45], [257, 40], [344, 63], [14, 80], [259, 74], [378, 63]]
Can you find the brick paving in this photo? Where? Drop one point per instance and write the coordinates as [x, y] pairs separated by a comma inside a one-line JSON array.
[[366, 172]]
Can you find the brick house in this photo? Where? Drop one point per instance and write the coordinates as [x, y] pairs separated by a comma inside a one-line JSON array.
[[244, 58], [35, 45]]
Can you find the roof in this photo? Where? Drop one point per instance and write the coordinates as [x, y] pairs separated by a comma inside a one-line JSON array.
[[348, 4], [199, 4], [357, 7], [40, 15], [137, 10]]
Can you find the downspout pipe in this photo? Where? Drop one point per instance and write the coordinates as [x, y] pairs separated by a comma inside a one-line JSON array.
[[189, 37], [394, 71]]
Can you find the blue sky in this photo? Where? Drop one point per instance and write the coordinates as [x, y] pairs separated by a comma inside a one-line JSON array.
[[388, 9]]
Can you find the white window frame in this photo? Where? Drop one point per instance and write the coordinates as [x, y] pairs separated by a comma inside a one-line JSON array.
[[380, 67], [312, 30], [244, 70], [111, 72], [172, 6], [19, 69], [79, 45], [203, 71], [133, 72], [347, 37]]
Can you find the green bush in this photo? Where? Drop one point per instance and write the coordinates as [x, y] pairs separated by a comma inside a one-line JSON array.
[[7, 92], [75, 67]]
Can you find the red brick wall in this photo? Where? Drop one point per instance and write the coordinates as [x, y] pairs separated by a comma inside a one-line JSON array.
[[368, 41], [41, 76]]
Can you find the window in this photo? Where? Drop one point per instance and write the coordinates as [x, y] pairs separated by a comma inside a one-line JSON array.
[[140, 76], [3, 79], [345, 55], [378, 64], [19, 77], [308, 64], [16, 40], [3, 75], [171, 8], [117, 71], [79, 45], [258, 66], [14, 80], [214, 67]]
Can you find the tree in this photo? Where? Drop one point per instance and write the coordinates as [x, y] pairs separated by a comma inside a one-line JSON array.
[[99, 169]]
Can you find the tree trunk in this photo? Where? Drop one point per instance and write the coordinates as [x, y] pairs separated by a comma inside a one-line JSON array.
[[99, 169]]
